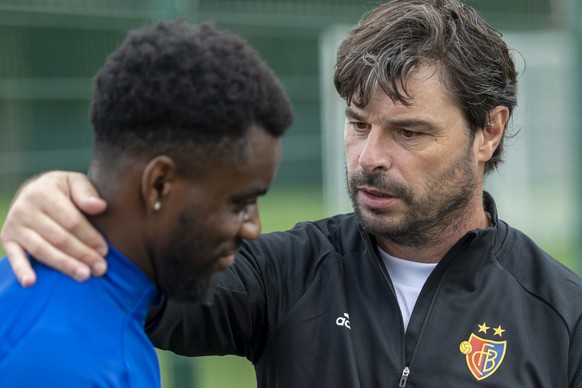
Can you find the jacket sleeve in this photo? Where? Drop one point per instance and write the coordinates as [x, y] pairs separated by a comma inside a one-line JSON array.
[[575, 356], [249, 301], [230, 321]]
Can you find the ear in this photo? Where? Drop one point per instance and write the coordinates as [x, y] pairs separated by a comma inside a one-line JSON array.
[[488, 138], [158, 182]]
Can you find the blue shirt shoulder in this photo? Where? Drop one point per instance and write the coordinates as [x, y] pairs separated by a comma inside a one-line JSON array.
[[63, 333]]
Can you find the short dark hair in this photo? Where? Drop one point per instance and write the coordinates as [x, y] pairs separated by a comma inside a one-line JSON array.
[[390, 44], [177, 88]]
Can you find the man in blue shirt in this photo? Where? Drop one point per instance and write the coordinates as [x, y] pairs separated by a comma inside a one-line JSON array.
[[187, 122]]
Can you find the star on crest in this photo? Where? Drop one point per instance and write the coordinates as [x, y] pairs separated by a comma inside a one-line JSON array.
[[498, 331], [483, 328]]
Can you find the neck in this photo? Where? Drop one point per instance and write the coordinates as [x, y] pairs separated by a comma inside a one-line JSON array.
[[121, 224]]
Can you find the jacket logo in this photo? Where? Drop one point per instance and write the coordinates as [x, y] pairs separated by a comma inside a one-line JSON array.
[[341, 321], [483, 355]]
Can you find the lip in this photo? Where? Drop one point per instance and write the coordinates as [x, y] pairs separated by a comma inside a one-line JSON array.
[[376, 199]]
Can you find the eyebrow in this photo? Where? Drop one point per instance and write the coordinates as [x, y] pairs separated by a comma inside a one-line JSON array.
[[353, 115], [257, 191], [404, 123], [410, 123]]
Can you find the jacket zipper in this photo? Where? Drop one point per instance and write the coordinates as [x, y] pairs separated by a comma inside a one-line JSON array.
[[404, 377], [406, 371]]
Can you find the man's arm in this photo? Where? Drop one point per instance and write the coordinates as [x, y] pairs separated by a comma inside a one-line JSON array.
[[249, 302], [575, 356], [232, 321], [46, 220]]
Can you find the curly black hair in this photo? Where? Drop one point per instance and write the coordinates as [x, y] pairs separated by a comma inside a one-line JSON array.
[[176, 88]]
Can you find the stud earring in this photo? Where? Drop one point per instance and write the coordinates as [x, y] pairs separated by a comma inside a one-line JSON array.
[[157, 206]]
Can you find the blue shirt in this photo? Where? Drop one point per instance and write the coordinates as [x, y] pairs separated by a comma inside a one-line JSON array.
[[60, 333]]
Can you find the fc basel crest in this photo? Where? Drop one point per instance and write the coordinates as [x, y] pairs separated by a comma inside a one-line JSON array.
[[483, 355]]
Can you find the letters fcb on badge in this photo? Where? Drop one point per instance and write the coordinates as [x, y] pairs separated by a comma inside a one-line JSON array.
[[483, 355]]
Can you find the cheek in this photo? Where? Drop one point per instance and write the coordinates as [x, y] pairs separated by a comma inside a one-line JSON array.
[[163, 229], [352, 150], [419, 170], [224, 229]]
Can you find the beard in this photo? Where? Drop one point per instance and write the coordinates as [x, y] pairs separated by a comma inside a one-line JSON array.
[[188, 268], [431, 211], [188, 285]]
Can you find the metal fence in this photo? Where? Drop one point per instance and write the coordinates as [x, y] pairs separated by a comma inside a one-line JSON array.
[[51, 49]]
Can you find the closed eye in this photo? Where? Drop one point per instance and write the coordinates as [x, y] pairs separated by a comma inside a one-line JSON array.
[[244, 205]]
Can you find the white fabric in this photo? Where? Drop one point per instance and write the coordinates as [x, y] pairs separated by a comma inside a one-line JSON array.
[[408, 278]]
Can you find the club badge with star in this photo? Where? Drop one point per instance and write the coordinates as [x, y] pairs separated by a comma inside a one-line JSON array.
[[484, 355]]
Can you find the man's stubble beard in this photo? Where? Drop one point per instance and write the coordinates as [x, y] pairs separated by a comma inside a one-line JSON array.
[[438, 209]]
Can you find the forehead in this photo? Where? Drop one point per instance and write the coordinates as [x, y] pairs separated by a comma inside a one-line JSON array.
[[425, 92], [426, 85]]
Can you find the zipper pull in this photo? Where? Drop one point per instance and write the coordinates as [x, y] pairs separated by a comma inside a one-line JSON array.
[[404, 377]]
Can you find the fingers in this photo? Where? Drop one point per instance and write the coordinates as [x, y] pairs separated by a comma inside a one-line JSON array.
[[20, 264], [84, 194], [45, 222], [27, 277], [63, 225], [55, 243]]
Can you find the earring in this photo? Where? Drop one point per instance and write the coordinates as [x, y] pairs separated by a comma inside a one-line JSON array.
[[157, 206]]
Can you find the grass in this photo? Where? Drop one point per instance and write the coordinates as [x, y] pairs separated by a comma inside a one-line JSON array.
[[284, 207]]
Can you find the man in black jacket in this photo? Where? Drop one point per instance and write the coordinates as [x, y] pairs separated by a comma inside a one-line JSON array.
[[423, 286]]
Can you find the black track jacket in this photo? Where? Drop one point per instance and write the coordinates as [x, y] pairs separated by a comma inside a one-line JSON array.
[[315, 307]]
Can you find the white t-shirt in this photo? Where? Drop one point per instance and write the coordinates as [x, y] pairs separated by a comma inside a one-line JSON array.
[[408, 278]]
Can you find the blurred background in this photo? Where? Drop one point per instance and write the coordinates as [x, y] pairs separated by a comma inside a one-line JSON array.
[[50, 50]]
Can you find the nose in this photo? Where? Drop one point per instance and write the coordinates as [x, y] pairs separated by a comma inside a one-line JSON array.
[[251, 226], [375, 153]]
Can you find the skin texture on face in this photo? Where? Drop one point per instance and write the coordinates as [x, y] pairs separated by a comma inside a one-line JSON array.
[[201, 227], [181, 228], [414, 172]]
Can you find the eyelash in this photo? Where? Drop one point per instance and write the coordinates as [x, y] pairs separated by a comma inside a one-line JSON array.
[[404, 133], [359, 126], [244, 206], [407, 134]]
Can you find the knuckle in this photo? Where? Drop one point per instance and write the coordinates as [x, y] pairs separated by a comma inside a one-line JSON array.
[[12, 228], [8, 227], [72, 223], [17, 211], [29, 193], [88, 258], [33, 245], [58, 240], [66, 267], [61, 266]]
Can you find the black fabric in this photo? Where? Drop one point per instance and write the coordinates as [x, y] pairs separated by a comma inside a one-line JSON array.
[[286, 303]]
